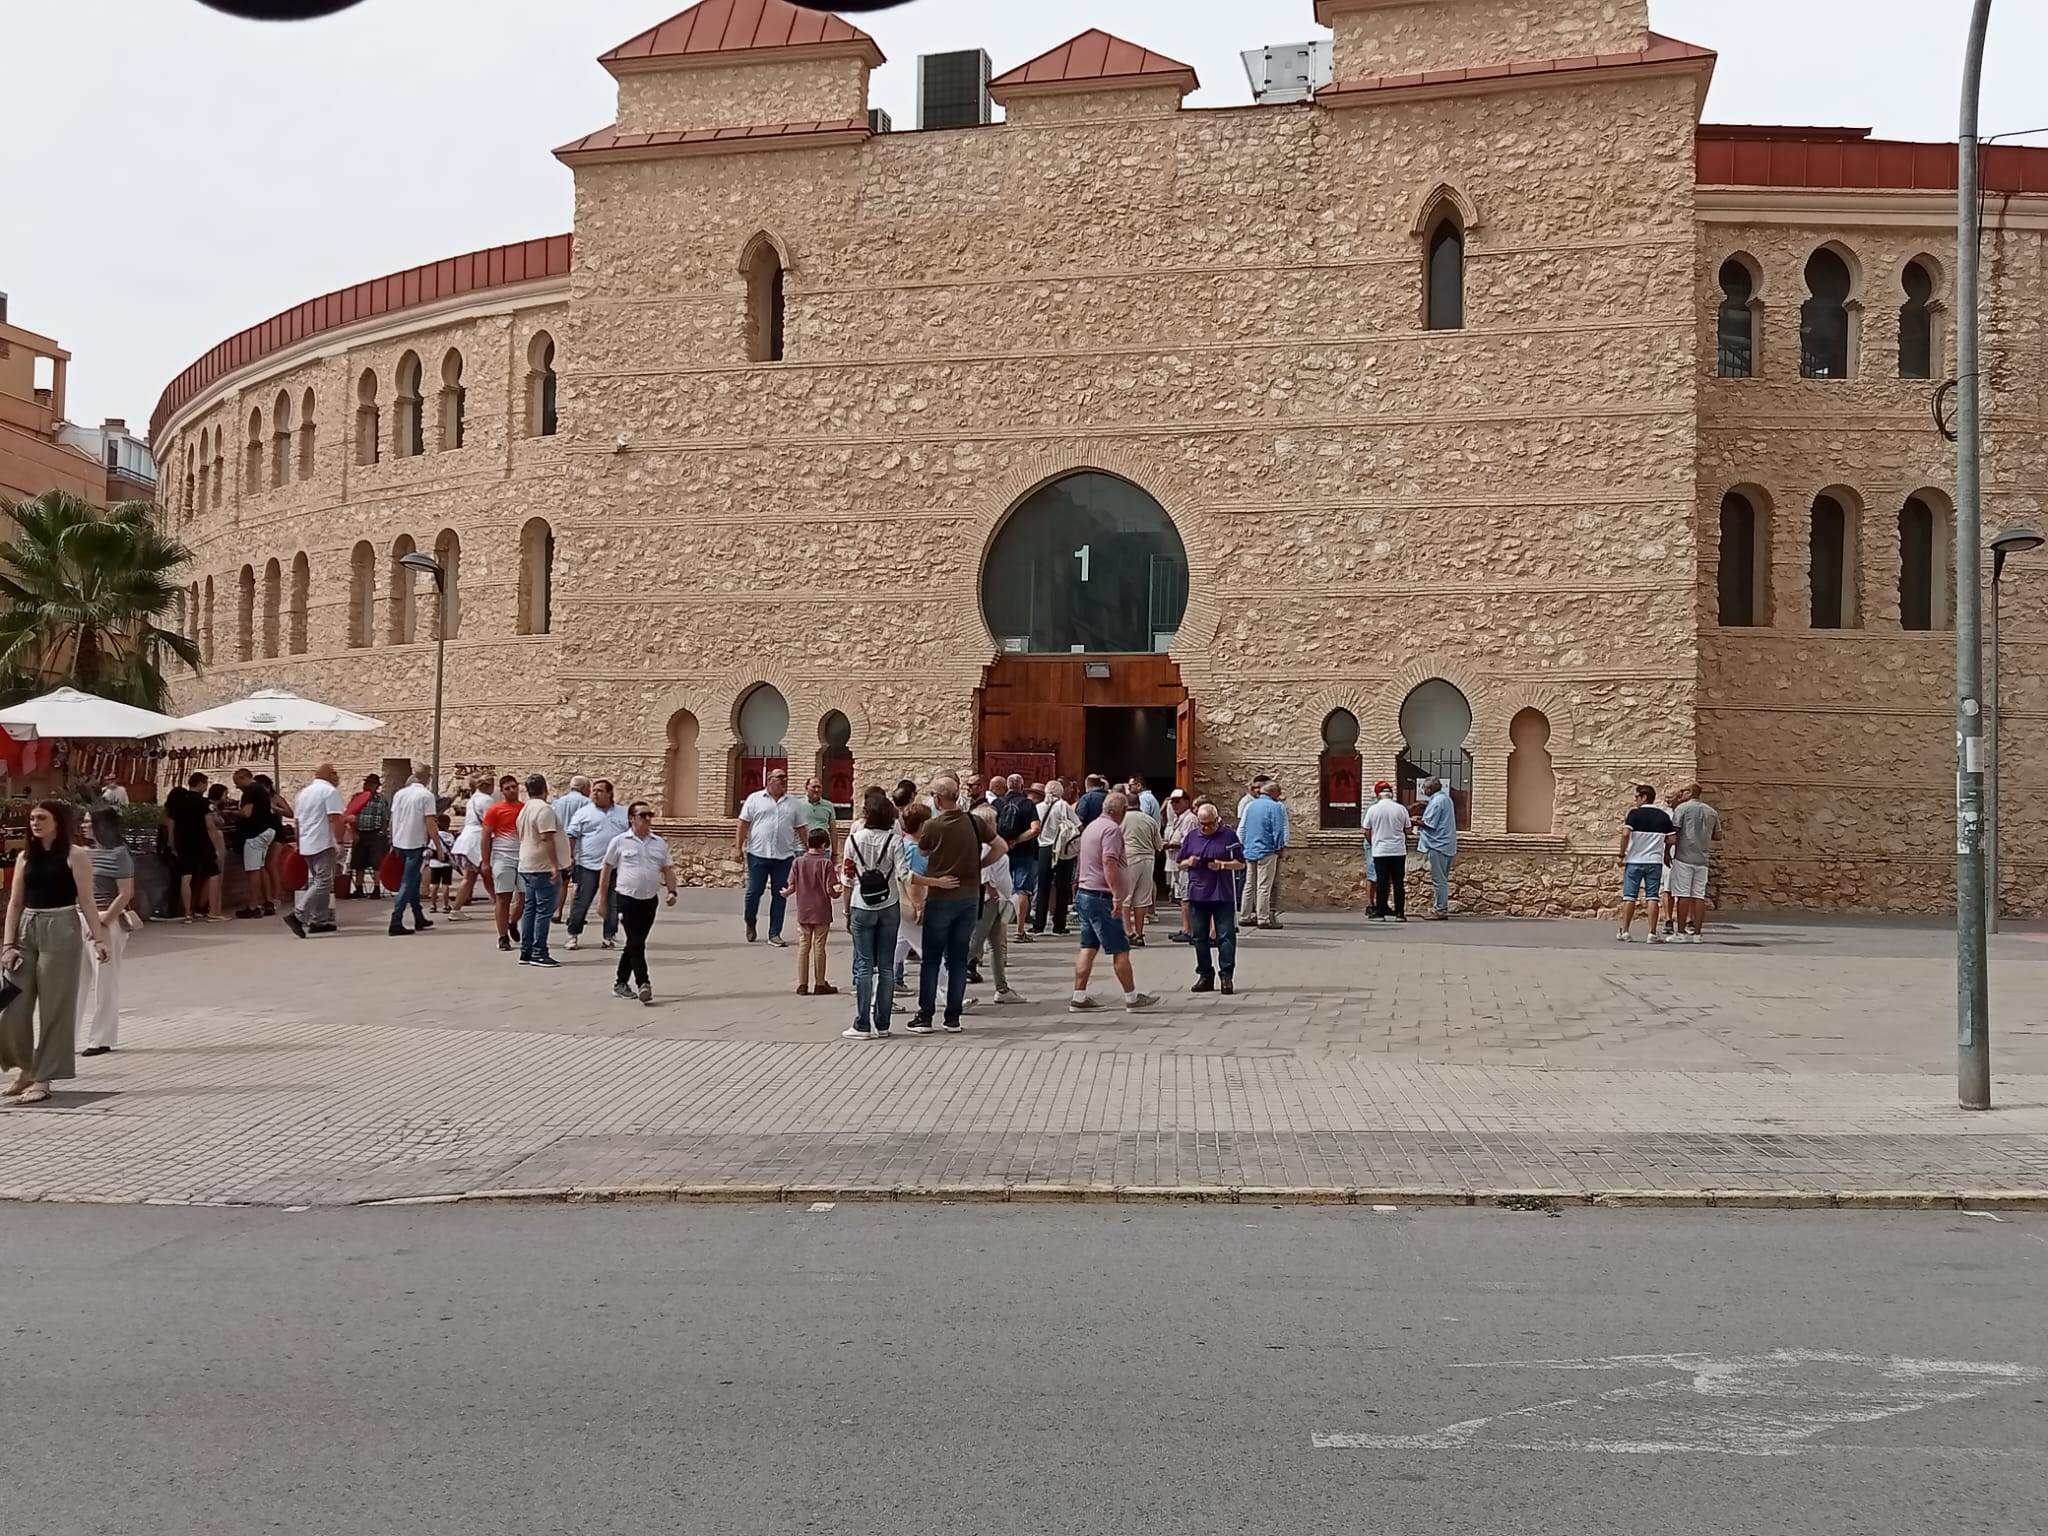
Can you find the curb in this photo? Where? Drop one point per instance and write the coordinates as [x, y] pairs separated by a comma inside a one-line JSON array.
[[1254, 1194]]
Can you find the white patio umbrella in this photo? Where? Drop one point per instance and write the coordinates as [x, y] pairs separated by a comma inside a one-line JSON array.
[[68, 714], [277, 713]]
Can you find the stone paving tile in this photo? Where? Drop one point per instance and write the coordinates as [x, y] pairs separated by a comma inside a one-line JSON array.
[[1463, 1057]]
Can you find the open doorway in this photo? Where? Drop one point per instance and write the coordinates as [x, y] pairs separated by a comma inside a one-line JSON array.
[[1123, 742]]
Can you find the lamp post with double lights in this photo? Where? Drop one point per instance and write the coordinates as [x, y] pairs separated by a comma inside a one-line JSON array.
[[432, 567], [2014, 541]]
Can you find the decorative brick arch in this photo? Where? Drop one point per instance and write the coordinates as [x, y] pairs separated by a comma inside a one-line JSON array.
[[716, 704], [774, 242], [1548, 702], [1380, 722], [1441, 197], [1174, 492]]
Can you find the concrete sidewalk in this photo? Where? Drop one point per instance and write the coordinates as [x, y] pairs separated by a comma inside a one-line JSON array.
[[1786, 1062]]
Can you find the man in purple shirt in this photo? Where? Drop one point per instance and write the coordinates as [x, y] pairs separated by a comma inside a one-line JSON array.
[[1211, 854], [1099, 881]]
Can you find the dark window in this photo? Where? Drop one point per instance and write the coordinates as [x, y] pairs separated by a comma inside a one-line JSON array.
[[1088, 563], [1824, 319], [1828, 567], [1916, 565], [1738, 562], [1916, 325], [1446, 310], [775, 313], [547, 392], [1737, 322], [764, 304]]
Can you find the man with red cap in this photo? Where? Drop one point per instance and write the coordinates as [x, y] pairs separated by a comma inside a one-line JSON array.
[[1386, 837]]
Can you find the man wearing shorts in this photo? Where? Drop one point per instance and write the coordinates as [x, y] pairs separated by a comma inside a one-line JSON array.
[[259, 833], [1646, 838], [1100, 884], [501, 858], [1699, 826]]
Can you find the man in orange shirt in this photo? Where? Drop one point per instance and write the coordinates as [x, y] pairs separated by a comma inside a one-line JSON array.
[[501, 858]]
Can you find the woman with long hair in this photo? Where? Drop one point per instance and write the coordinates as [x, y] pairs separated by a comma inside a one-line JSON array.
[[113, 893], [876, 876], [50, 892]]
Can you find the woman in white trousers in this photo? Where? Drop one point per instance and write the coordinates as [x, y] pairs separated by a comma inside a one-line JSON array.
[[113, 894]]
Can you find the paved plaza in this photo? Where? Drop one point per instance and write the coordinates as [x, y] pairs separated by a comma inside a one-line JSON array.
[[1781, 1058]]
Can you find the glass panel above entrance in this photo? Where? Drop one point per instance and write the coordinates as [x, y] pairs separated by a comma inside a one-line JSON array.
[[1090, 564]]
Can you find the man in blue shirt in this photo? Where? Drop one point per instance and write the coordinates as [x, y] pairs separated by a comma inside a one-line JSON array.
[[1091, 803], [1264, 835], [591, 831], [567, 805], [1440, 841]]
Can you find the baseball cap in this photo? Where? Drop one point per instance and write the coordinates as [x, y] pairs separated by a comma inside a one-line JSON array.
[[1382, 785], [1178, 794]]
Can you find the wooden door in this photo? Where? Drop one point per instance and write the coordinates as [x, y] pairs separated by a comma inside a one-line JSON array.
[[1184, 744]]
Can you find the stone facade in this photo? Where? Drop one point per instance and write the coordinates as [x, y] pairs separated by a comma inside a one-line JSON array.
[[1225, 308]]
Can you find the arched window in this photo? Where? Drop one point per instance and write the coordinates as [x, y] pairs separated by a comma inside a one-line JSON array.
[[835, 760], [1831, 570], [763, 267], [252, 456], [448, 610], [245, 615], [411, 429], [1342, 772], [273, 603], [452, 397], [1824, 318], [1745, 563], [208, 647], [1088, 562], [220, 466], [1925, 565], [1435, 720], [404, 623], [205, 495], [306, 436], [1737, 320], [280, 439], [540, 386], [1532, 780], [369, 431], [762, 721], [1444, 294], [362, 594], [679, 799], [536, 577], [186, 503], [302, 591], [194, 632], [1916, 323]]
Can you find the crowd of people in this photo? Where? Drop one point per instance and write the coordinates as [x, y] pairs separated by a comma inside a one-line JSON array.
[[949, 877]]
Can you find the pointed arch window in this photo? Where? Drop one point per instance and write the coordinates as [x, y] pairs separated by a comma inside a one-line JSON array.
[[453, 398], [540, 386], [1916, 323], [1736, 323], [369, 445], [765, 301], [1444, 295], [411, 429], [1824, 318]]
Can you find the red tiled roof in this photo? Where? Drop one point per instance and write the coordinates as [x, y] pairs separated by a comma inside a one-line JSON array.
[[1661, 50], [1848, 159], [1094, 55], [741, 26], [609, 137], [498, 267]]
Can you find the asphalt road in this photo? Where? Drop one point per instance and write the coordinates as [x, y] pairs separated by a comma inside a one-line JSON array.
[[984, 1370]]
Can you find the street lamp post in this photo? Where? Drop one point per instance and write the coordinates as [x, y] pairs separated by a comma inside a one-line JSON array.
[[2014, 541], [432, 567], [1973, 989]]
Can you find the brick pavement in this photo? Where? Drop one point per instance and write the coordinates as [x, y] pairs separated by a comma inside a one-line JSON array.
[[1475, 1056]]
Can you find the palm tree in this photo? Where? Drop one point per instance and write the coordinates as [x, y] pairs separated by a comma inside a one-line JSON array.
[[83, 590]]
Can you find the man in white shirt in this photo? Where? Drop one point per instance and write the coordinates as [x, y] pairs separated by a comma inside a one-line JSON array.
[[767, 841], [539, 860], [318, 812], [412, 829], [591, 831], [636, 866], [1386, 840]]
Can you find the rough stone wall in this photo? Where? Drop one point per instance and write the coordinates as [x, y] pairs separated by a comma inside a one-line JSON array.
[[1074, 106], [1831, 753], [1394, 37], [501, 689], [743, 95], [1222, 306]]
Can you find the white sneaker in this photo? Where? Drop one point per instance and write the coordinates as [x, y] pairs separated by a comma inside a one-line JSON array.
[[1656, 937], [1622, 936], [574, 942], [608, 944], [856, 1034]]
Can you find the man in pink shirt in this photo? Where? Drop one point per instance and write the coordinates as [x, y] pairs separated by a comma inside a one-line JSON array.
[[1098, 882]]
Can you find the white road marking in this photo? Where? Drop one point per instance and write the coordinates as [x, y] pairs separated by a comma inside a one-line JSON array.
[[1386, 1210], [1776, 1404], [823, 1205], [1986, 1215]]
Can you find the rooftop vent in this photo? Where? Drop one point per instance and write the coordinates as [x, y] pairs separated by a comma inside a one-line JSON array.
[[1289, 71], [952, 89], [878, 120]]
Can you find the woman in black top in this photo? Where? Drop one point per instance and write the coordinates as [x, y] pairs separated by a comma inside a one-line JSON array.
[[51, 891]]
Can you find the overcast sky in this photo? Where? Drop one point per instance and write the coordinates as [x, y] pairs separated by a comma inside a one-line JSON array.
[[169, 175]]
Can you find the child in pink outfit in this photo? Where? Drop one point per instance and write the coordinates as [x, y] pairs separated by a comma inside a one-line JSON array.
[[814, 882]]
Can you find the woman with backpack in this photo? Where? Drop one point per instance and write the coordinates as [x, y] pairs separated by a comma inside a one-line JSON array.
[[876, 877]]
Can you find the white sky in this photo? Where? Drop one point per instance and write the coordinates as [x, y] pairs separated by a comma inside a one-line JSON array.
[[169, 175]]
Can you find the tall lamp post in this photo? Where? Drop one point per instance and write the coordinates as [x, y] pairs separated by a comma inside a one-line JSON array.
[[432, 567], [1973, 989], [2014, 541]]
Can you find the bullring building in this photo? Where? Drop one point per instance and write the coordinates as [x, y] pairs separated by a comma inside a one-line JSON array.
[[1478, 412]]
